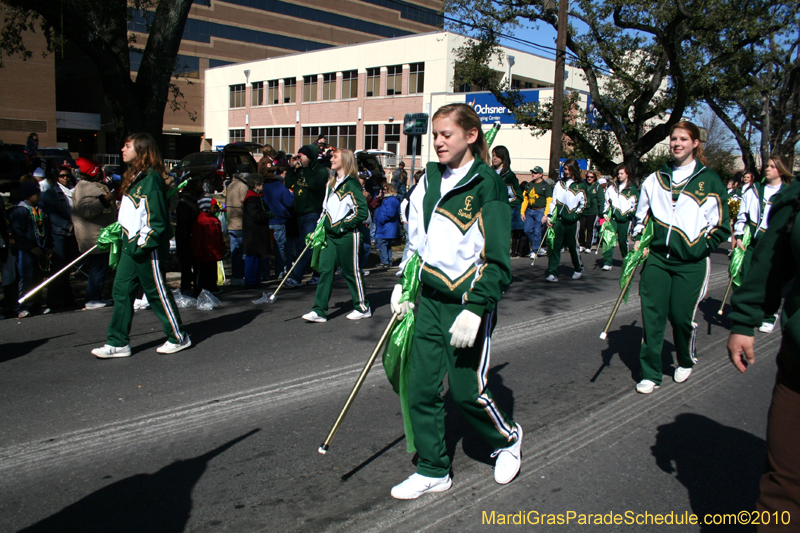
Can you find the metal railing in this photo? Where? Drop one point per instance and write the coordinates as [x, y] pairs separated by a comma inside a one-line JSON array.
[[113, 159]]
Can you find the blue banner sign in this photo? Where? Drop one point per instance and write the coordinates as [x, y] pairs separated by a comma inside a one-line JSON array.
[[490, 110]]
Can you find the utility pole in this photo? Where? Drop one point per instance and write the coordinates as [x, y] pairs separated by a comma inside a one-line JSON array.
[[558, 91]]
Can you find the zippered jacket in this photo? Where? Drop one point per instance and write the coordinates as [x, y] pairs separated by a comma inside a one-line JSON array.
[[689, 221], [596, 198], [464, 236], [144, 215], [776, 262], [750, 210], [621, 203], [569, 201], [513, 188], [22, 228], [345, 207], [308, 184]]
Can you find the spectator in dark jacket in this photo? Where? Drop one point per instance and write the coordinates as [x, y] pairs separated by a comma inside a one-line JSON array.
[[30, 229], [8, 265], [208, 246], [387, 222], [255, 230], [57, 203], [186, 213], [279, 202]]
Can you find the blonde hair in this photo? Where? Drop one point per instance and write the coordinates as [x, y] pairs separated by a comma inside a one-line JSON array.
[[467, 119], [349, 166]]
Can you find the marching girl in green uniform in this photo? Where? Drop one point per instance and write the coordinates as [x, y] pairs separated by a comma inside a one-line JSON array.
[[566, 209], [146, 228], [754, 212], [344, 209], [776, 265], [459, 225], [621, 207], [501, 163], [688, 206]]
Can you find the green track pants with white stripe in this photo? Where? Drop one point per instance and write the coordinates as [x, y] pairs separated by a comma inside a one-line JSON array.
[[144, 272], [621, 229], [340, 251], [467, 369], [564, 235], [748, 258], [670, 290]]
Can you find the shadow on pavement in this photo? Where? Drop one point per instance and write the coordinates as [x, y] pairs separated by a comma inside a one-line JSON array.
[[144, 502], [13, 350], [625, 342], [720, 466]]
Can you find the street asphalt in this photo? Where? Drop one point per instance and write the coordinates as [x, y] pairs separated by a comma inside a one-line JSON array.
[[224, 436]]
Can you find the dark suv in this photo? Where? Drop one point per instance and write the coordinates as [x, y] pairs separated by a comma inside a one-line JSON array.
[[220, 165], [13, 165]]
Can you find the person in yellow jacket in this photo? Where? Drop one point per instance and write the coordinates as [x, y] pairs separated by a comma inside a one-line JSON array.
[[535, 203]]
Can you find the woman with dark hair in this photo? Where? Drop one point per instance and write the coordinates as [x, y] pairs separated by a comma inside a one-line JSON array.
[[255, 230], [501, 163], [146, 228], [267, 164], [754, 212], [566, 209], [621, 207], [687, 205], [58, 203], [595, 198]]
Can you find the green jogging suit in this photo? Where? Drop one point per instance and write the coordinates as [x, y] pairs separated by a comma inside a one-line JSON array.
[[621, 228], [340, 251], [564, 235]]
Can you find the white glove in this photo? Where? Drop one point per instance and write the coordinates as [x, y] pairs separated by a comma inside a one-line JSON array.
[[400, 309], [465, 329]]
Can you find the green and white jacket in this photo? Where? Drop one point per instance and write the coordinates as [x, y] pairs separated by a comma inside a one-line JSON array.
[[344, 207], [689, 220], [621, 203], [754, 198], [464, 236], [569, 199], [144, 215]]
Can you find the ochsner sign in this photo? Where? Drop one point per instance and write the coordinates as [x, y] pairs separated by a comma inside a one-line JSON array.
[[490, 110]]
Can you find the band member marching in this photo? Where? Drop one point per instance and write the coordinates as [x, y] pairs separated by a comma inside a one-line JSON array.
[[566, 209], [621, 208], [459, 224], [144, 217], [689, 207]]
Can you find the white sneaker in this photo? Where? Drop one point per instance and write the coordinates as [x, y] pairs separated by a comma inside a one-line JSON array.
[[646, 386], [508, 461], [141, 304], [314, 317], [681, 374], [170, 347], [607, 267], [292, 283], [358, 315], [551, 278], [109, 352], [96, 304], [313, 281], [581, 249], [766, 327], [364, 273], [417, 485], [577, 274], [542, 252]]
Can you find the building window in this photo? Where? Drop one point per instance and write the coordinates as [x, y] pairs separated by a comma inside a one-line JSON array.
[[278, 138], [371, 137], [416, 78], [392, 138], [410, 144], [516, 84], [310, 88], [394, 80], [350, 84], [237, 95], [373, 81], [236, 136], [257, 97], [289, 90], [529, 85], [272, 92], [187, 67], [336, 136], [329, 86]]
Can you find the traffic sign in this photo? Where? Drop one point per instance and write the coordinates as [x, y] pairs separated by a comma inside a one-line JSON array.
[[415, 124]]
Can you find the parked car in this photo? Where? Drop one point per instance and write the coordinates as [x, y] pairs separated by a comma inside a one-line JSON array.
[[59, 155], [368, 159], [220, 165], [13, 165]]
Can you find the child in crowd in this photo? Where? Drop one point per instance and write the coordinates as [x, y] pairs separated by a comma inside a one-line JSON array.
[[208, 247], [387, 223]]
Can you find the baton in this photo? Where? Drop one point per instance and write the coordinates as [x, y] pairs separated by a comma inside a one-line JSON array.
[[537, 251], [622, 293], [725, 299], [360, 381], [52, 278], [271, 298]]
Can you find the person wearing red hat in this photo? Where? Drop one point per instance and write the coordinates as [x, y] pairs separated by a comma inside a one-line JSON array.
[[94, 207], [208, 247]]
